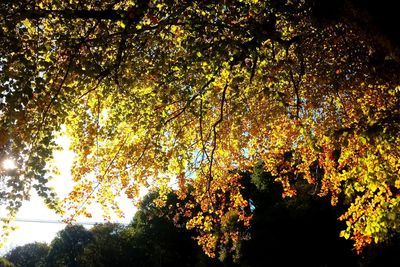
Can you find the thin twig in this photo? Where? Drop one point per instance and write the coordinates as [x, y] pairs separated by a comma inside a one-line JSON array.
[[182, 110], [101, 180]]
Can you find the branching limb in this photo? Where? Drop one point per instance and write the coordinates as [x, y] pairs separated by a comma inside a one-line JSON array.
[[220, 119], [189, 102]]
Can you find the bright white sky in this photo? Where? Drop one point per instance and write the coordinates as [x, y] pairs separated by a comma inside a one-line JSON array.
[[35, 209]]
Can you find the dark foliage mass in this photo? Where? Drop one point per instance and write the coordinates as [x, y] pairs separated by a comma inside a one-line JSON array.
[[28, 255], [5, 263]]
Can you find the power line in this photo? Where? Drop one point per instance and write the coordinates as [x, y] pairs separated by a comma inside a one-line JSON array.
[[27, 220]]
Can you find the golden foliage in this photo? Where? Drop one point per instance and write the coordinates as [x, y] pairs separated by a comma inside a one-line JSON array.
[[154, 93]]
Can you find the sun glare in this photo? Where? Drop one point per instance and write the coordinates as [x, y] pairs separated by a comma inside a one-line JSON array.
[[9, 164]]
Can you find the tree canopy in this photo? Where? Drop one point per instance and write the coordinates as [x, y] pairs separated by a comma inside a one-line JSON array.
[[159, 91], [5, 263], [29, 255]]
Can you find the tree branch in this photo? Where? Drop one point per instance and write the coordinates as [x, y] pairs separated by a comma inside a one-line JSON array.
[[114, 15], [221, 117]]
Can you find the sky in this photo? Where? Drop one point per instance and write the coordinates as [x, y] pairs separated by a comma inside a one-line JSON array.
[[37, 223]]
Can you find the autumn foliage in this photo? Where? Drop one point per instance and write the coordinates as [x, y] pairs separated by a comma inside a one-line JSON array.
[[186, 93]]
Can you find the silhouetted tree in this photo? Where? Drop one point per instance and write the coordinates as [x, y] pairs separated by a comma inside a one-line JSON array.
[[29, 255], [110, 246], [162, 242], [67, 246], [298, 231], [5, 263]]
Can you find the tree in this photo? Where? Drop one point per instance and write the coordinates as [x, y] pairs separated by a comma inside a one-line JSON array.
[[29, 255], [301, 231], [110, 246], [160, 237], [5, 263], [156, 90], [68, 245]]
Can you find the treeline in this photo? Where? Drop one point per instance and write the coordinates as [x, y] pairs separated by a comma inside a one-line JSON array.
[[300, 231]]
